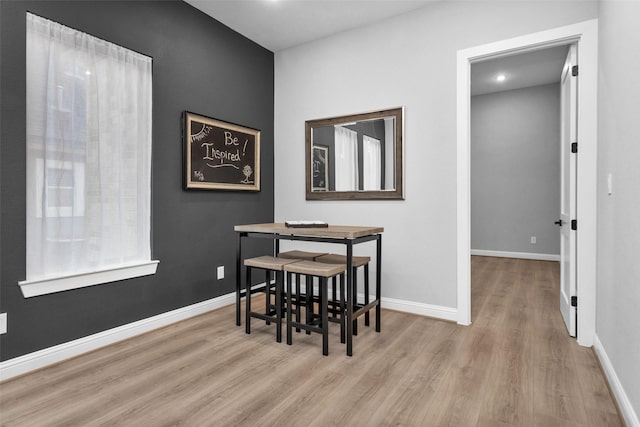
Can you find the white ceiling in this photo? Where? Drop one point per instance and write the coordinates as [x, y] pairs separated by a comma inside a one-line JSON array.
[[535, 68], [280, 24]]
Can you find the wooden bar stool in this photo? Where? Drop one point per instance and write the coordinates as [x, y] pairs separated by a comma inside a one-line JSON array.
[[320, 324], [273, 313], [357, 261], [301, 299]]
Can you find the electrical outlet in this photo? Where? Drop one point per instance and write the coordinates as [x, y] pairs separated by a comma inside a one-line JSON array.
[[3, 323], [221, 272], [533, 240]]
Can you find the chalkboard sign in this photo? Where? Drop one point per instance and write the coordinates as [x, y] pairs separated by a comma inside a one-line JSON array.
[[220, 155]]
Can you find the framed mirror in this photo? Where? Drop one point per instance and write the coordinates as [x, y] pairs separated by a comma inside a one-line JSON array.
[[355, 157]]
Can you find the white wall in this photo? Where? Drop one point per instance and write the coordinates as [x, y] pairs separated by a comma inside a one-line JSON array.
[[618, 289], [515, 170], [343, 75]]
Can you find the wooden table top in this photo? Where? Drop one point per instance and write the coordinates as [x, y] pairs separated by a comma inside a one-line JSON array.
[[339, 231]]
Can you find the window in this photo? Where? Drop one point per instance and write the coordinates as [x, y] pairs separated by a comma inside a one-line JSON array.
[[88, 160]]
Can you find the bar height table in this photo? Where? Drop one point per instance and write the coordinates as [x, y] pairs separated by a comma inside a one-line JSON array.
[[341, 234]]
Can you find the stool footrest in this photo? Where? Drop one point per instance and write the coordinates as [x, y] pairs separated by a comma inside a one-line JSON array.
[[307, 327], [364, 309], [257, 289], [262, 316]]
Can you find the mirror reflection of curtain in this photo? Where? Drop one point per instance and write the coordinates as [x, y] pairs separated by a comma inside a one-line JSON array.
[[389, 156], [371, 163], [346, 159]]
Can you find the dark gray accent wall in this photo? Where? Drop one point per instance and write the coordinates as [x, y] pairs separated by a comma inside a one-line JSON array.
[[198, 65], [515, 170]]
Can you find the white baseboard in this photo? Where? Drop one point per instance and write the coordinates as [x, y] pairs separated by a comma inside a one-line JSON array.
[[523, 255], [629, 414], [48, 356], [437, 311]]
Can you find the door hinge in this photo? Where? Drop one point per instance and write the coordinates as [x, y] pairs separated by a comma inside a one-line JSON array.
[[574, 147], [574, 301], [574, 224], [574, 70]]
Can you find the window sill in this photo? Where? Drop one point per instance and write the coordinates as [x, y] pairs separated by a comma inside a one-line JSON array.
[[33, 288]]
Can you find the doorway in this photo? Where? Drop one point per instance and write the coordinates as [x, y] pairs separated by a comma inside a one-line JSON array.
[[584, 35], [518, 152]]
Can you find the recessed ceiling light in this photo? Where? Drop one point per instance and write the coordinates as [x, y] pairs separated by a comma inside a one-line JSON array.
[[501, 78]]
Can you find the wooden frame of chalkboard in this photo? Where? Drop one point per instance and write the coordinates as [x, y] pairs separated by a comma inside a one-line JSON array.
[[220, 155]]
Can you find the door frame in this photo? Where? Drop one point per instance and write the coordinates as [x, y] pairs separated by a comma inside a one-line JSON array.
[[585, 35]]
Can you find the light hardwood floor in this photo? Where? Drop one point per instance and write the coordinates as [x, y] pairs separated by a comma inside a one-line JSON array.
[[514, 366]]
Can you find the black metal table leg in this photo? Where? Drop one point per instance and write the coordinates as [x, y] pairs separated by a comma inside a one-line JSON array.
[[238, 275], [355, 299], [279, 283], [247, 301], [350, 297], [324, 290], [298, 299], [342, 309], [378, 276], [289, 297], [366, 293], [267, 289], [308, 290]]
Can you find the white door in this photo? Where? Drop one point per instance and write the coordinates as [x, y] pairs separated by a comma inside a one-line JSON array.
[[568, 164]]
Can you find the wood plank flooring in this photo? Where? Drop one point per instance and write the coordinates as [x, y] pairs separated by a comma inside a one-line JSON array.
[[515, 366]]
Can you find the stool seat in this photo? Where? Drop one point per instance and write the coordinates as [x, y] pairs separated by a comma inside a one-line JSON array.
[[309, 256], [357, 261], [268, 262], [313, 268]]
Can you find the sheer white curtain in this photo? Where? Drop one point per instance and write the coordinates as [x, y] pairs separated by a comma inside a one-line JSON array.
[[371, 163], [88, 152], [346, 159]]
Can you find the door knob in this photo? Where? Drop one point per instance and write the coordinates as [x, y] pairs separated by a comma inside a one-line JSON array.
[[558, 222]]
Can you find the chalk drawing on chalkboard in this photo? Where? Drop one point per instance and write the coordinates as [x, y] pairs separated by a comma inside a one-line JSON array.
[[247, 171], [220, 155], [202, 134], [223, 165]]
